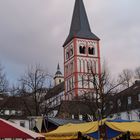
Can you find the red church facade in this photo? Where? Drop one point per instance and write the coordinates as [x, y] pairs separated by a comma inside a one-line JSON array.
[[81, 52]]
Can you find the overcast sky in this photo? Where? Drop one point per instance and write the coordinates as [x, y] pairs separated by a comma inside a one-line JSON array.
[[33, 32]]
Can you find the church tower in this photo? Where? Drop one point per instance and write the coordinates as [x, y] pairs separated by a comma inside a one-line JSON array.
[[58, 76], [81, 51]]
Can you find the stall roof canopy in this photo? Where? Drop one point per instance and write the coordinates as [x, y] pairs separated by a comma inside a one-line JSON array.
[[133, 127], [12, 130], [70, 131]]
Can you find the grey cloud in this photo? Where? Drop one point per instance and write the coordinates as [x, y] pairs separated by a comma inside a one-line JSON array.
[[34, 31]]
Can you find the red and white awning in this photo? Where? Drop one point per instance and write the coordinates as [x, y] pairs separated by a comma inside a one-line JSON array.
[[12, 130]]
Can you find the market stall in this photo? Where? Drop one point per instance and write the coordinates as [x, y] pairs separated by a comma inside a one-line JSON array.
[[115, 129], [133, 128], [13, 131], [72, 131], [108, 129]]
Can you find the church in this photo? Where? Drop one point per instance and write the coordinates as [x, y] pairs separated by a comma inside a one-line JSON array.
[[81, 53], [81, 57]]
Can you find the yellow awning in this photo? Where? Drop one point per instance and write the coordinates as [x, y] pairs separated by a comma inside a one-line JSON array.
[[70, 131], [132, 127]]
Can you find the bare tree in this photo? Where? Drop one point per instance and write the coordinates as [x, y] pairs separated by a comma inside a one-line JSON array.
[[34, 83], [137, 73], [99, 99], [126, 76], [3, 81]]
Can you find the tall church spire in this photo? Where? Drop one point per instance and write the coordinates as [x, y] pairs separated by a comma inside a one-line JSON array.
[[80, 27], [58, 68], [81, 51]]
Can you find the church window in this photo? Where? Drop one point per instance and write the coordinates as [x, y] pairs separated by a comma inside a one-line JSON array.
[[71, 52], [82, 81], [82, 49], [80, 65], [88, 67], [94, 65], [88, 80], [72, 83], [83, 66], [67, 85], [59, 80], [91, 51], [66, 69], [67, 55], [71, 66]]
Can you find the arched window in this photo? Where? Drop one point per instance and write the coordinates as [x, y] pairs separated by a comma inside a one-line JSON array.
[[80, 65], [67, 86], [66, 70], [71, 52], [94, 66], [70, 85], [83, 64], [82, 81], [91, 51], [71, 67], [88, 67], [67, 55], [72, 82], [82, 49]]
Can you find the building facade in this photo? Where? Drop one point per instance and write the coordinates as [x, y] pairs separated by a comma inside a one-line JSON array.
[[81, 54], [126, 104]]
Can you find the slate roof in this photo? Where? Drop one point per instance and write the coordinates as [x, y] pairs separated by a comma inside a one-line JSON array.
[[76, 107], [58, 70], [59, 121], [80, 27], [24, 104], [55, 91]]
